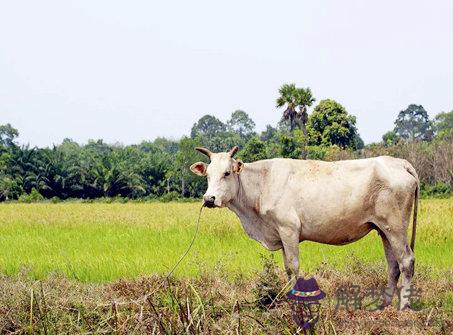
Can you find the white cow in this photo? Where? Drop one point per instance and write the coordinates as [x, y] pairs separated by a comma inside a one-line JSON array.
[[282, 202]]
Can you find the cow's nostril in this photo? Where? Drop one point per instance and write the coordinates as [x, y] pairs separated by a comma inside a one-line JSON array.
[[209, 200]]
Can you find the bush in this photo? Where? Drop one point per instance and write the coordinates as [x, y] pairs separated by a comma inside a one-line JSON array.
[[316, 152], [439, 189], [55, 200], [34, 196], [170, 196]]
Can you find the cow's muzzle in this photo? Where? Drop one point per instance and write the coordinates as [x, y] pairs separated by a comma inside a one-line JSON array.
[[209, 200]]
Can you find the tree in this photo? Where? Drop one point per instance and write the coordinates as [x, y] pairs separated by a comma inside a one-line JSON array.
[[166, 145], [242, 124], [25, 165], [222, 142], [8, 187], [330, 124], [443, 123], [304, 100], [254, 150], [390, 138], [288, 96], [296, 100], [186, 156], [212, 133], [358, 142], [7, 135], [413, 124], [207, 126], [291, 144], [268, 134], [153, 165]]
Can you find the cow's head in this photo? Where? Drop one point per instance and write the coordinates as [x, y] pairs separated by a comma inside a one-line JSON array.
[[223, 176]]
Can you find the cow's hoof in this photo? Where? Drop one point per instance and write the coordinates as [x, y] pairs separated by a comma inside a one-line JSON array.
[[405, 307], [384, 306]]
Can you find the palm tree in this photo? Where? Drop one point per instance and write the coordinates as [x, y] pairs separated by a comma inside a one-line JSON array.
[[294, 98], [304, 100], [288, 96]]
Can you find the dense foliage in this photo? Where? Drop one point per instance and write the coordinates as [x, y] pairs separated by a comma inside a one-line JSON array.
[[330, 124], [161, 168]]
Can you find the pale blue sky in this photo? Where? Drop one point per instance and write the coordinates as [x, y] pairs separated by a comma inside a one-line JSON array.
[[129, 71]]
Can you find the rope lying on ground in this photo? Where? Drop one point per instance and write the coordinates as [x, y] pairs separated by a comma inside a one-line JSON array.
[[145, 297], [188, 248]]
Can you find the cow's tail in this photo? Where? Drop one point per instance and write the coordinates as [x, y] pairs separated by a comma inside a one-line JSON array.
[[412, 171], [414, 222]]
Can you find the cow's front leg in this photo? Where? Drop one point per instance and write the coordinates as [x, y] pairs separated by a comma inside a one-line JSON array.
[[290, 241], [291, 265]]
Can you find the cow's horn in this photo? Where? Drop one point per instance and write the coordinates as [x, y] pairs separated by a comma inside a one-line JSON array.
[[233, 151], [204, 151]]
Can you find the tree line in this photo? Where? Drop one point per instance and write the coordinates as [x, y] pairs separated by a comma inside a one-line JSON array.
[[159, 168]]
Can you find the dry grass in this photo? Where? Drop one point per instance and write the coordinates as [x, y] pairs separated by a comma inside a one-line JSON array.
[[210, 304]]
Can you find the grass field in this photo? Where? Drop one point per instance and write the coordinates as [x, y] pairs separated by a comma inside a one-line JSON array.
[[105, 242], [100, 269]]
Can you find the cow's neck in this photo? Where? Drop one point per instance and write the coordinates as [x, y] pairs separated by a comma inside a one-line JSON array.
[[249, 190], [247, 204]]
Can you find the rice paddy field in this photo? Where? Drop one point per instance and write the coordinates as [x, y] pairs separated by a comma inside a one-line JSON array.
[[77, 267], [105, 242]]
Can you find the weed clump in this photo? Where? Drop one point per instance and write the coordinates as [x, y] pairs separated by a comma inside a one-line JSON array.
[[267, 285]]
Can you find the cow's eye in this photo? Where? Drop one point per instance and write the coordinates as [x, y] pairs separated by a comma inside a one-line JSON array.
[[226, 174]]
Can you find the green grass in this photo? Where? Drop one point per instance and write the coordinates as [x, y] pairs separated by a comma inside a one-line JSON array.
[[105, 242]]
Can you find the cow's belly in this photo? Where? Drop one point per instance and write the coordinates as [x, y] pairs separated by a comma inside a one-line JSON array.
[[335, 223], [334, 209], [336, 233]]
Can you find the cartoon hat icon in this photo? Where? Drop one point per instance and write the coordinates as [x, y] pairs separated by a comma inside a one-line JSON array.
[[306, 290]]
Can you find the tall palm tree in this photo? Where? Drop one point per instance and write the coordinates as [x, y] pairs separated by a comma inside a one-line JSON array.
[[297, 101], [289, 97], [304, 100]]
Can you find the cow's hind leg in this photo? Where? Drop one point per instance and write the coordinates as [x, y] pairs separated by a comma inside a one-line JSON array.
[[406, 261], [393, 220], [393, 271]]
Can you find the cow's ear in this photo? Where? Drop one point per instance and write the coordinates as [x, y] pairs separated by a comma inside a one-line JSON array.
[[199, 168], [238, 165]]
